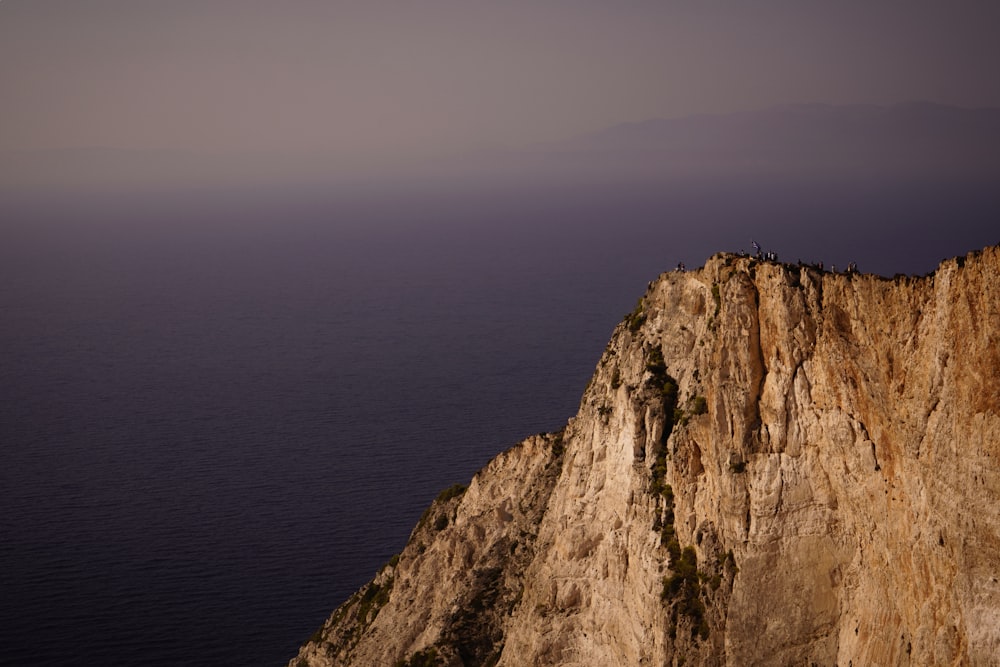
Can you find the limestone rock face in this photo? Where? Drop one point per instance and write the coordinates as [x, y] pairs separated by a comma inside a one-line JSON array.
[[772, 465]]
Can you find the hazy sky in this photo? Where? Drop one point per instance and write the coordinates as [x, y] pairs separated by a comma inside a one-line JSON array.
[[396, 78]]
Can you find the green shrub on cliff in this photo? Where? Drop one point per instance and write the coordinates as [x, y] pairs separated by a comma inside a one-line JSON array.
[[453, 491], [428, 657], [636, 318], [682, 591]]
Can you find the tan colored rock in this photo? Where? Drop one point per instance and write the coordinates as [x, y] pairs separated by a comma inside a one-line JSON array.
[[828, 492]]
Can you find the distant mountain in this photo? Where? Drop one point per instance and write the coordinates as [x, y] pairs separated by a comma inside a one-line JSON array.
[[917, 140], [915, 137]]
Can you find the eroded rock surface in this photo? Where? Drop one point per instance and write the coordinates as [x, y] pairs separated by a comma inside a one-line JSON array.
[[771, 465]]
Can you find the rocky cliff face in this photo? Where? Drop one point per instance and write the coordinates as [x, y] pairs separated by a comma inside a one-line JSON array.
[[772, 465]]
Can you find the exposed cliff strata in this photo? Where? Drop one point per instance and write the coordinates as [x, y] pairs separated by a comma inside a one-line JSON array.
[[772, 465]]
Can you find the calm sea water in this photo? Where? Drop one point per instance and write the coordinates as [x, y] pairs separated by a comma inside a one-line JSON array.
[[220, 415]]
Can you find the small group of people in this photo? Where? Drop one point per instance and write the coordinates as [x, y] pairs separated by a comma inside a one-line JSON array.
[[760, 254], [852, 267]]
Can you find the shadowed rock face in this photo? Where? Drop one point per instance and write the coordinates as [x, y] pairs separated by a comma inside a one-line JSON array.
[[771, 465]]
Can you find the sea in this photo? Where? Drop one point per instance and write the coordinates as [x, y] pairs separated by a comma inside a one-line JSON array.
[[222, 411]]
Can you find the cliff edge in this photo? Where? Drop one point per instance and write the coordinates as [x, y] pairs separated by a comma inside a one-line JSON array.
[[771, 465]]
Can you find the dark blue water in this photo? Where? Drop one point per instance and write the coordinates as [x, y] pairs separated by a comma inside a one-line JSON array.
[[221, 414]]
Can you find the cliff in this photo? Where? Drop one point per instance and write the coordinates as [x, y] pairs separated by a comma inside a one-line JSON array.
[[771, 465]]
